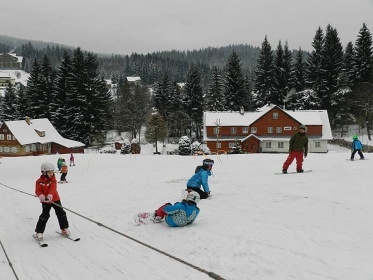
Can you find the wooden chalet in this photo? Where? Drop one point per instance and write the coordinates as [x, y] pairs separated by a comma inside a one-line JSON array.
[[267, 130], [34, 137]]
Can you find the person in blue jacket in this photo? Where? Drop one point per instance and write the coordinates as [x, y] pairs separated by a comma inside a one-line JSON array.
[[181, 213], [200, 179], [356, 146]]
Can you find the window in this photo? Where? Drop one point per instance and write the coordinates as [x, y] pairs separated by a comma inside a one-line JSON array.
[[218, 145], [2, 137], [270, 129], [233, 130], [287, 128], [216, 130], [245, 129], [231, 145], [275, 116], [280, 145], [253, 129], [279, 130], [317, 144], [9, 137], [268, 145]]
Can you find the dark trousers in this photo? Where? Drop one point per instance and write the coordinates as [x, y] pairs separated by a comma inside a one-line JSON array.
[[63, 177], [43, 218], [202, 194], [359, 152]]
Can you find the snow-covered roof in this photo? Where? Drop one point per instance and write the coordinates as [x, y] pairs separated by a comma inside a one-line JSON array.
[[305, 117], [133, 78], [27, 133], [20, 76]]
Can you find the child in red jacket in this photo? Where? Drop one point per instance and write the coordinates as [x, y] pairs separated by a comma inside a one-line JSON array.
[[46, 191]]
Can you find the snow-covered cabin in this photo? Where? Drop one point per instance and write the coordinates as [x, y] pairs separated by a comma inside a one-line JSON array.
[[134, 79], [267, 130], [34, 137], [10, 61]]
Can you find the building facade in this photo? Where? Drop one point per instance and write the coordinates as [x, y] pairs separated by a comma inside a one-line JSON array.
[[267, 130]]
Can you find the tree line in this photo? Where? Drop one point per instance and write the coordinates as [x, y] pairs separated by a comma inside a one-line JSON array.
[[178, 86]]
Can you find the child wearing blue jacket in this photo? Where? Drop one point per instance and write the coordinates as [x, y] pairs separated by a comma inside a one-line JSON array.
[[181, 213], [356, 146], [200, 178]]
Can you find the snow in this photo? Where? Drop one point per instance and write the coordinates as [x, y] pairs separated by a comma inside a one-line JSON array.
[[257, 225]]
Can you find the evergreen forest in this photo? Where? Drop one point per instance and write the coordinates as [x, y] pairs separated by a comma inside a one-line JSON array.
[[69, 86]]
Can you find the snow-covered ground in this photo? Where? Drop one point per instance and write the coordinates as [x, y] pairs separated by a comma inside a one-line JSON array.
[[257, 225]]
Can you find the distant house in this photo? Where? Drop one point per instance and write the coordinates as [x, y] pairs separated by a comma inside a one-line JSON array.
[[34, 137], [10, 61], [134, 79], [267, 130], [17, 78]]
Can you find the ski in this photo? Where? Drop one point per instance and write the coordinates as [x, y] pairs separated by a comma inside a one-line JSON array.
[[293, 172], [356, 159], [68, 237], [41, 243]]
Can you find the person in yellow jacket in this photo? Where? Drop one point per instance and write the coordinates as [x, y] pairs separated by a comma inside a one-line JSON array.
[[63, 172], [298, 147]]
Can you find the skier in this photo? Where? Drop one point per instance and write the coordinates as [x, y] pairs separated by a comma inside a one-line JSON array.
[[46, 191], [181, 213], [72, 160], [200, 178], [298, 146], [63, 172], [59, 163], [356, 146]]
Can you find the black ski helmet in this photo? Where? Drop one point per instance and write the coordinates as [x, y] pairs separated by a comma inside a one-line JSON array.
[[208, 162]]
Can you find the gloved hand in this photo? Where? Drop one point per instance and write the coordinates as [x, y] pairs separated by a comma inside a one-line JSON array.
[[42, 198], [49, 198], [305, 155]]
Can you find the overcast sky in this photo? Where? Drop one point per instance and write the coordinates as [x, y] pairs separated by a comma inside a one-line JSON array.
[[142, 26]]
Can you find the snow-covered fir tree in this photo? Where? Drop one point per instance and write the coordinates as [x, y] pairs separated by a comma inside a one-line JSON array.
[[215, 98], [184, 146], [234, 84], [9, 104], [263, 75]]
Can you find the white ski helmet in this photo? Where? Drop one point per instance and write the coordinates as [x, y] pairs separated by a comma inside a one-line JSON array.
[[193, 196], [47, 166]]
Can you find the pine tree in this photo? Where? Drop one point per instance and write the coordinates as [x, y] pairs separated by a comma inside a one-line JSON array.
[[58, 103], [46, 87], [34, 92], [348, 63], [215, 99], [299, 71], [162, 93], [363, 59], [193, 100], [264, 75], [332, 64], [22, 103], [9, 104], [314, 72], [234, 84], [76, 102], [282, 75]]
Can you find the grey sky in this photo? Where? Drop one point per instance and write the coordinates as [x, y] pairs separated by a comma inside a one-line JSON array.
[[142, 26]]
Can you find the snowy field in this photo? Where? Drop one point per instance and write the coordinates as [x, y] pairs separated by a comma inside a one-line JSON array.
[[257, 225]]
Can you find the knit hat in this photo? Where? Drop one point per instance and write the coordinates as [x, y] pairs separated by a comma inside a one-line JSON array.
[[302, 127]]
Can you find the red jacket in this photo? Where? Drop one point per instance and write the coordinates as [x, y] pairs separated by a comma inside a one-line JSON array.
[[45, 185]]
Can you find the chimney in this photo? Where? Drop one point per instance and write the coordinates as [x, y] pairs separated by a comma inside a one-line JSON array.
[[28, 120], [242, 111]]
